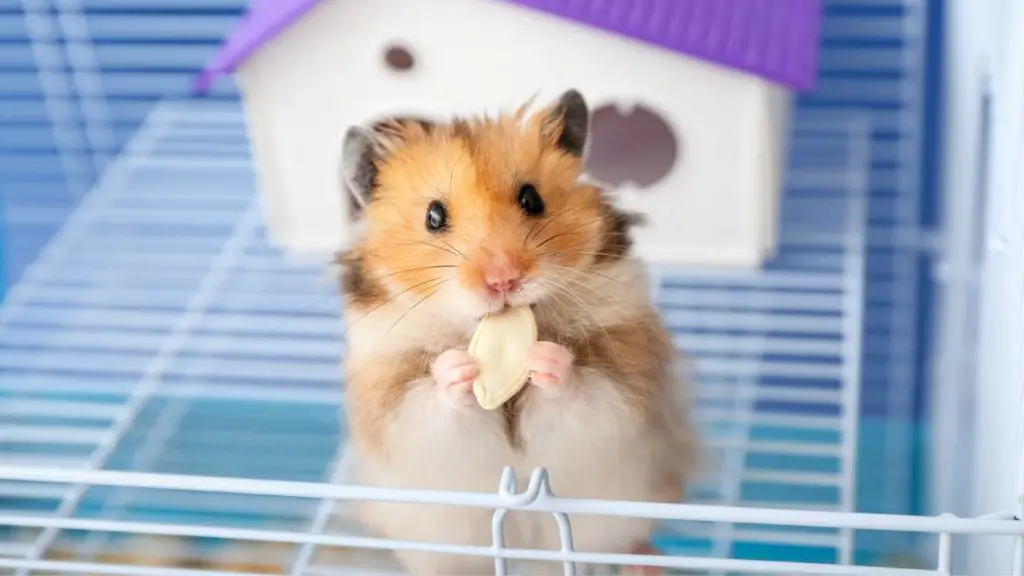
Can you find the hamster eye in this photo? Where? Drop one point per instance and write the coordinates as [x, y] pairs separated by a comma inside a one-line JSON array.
[[437, 216], [530, 201]]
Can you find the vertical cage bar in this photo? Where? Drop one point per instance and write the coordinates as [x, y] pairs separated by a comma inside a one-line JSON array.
[[44, 41], [87, 80], [944, 565], [498, 541], [304, 556], [1018, 556], [853, 318], [964, 188], [999, 389], [565, 536]]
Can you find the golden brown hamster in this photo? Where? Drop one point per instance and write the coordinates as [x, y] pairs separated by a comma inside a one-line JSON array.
[[463, 218]]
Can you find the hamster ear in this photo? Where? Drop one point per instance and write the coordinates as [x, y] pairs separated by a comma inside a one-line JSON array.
[[363, 150], [359, 155], [565, 124]]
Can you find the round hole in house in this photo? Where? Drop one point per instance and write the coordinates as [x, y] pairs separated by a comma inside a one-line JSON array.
[[630, 145], [398, 58]]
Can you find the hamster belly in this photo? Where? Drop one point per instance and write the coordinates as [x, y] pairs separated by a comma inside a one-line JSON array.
[[434, 446], [594, 444]]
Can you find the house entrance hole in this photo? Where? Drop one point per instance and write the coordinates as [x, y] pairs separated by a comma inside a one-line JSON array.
[[630, 146]]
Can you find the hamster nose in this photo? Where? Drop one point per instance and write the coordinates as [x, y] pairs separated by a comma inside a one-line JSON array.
[[502, 278]]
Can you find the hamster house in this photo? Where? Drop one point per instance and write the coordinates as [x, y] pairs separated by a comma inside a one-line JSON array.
[[690, 101]]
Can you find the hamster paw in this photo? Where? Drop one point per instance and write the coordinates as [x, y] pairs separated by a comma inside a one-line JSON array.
[[454, 371], [550, 366]]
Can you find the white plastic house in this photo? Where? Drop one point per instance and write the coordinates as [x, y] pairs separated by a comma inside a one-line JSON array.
[[689, 101]]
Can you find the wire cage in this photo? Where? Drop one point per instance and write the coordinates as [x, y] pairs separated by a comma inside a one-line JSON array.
[[169, 386]]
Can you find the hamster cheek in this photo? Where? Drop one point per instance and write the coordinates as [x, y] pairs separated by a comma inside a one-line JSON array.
[[461, 305]]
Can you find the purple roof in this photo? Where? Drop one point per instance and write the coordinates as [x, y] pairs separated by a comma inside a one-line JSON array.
[[774, 39]]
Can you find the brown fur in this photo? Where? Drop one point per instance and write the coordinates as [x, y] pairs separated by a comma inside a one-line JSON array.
[[465, 164], [376, 386], [615, 239], [412, 293], [360, 288], [475, 166]]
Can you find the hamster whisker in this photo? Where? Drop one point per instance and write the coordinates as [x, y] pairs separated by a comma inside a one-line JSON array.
[[585, 253], [601, 297], [591, 272], [414, 269], [526, 237], [572, 321], [586, 272], [561, 307], [396, 296], [447, 249], [550, 220], [559, 283], [569, 231], [457, 251], [553, 219], [436, 288], [585, 307]]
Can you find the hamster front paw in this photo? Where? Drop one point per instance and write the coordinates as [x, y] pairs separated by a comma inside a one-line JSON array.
[[550, 366], [454, 371]]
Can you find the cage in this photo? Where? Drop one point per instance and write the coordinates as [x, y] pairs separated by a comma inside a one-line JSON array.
[[169, 384]]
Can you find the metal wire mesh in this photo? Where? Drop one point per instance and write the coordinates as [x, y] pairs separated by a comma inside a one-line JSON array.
[[536, 497]]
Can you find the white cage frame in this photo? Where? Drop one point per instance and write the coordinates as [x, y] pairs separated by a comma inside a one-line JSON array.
[[978, 409], [536, 497]]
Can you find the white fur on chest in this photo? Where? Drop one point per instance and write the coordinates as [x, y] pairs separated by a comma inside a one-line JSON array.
[[588, 438]]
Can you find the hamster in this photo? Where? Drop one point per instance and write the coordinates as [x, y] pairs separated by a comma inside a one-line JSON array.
[[463, 218]]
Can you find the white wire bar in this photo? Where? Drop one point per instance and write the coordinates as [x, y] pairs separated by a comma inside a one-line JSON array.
[[536, 497]]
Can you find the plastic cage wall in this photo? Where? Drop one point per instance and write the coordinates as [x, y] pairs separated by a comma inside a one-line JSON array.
[[150, 327]]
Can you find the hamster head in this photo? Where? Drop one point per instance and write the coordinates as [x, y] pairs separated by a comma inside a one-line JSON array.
[[478, 213]]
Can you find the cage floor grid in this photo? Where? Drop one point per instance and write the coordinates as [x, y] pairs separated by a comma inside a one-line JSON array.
[[160, 331]]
